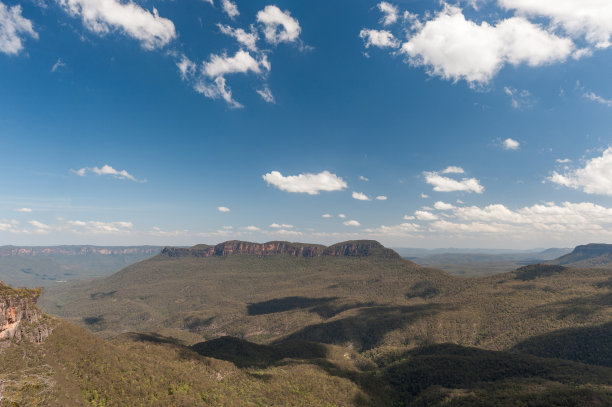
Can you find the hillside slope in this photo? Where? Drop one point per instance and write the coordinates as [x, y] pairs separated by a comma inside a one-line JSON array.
[[586, 256]]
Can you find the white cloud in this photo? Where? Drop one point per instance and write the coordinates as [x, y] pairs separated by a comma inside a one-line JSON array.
[[223, 209], [589, 18], [598, 99], [187, 67], [40, 227], [281, 226], [106, 170], [403, 230], [445, 184], [102, 16], [451, 47], [25, 210], [351, 223], [98, 227], [520, 99], [209, 2], [381, 198], [594, 178], [241, 62], [424, 215], [390, 12], [284, 232], [563, 160], [443, 206], [247, 39], [378, 38], [360, 196], [511, 144], [252, 228], [361, 177], [424, 196], [13, 28], [307, 183], [327, 216], [453, 170], [278, 26], [342, 216], [217, 89], [59, 64], [266, 94], [230, 8], [409, 217]]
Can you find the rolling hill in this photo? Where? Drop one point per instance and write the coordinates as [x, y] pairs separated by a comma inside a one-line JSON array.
[[69, 366]]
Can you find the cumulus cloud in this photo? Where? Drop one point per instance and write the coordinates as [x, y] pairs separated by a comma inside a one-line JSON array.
[[511, 144], [378, 38], [454, 48], [360, 196], [351, 223], [103, 16], [424, 196], [381, 198], [106, 170], [230, 8], [214, 84], [390, 12], [24, 210], [13, 29], [589, 18], [327, 216], [563, 160], [446, 184], [307, 183], [223, 209], [241, 62], [425, 215], [362, 178], [594, 178], [252, 228], [247, 39], [453, 170], [342, 216], [278, 26], [281, 226], [443, 206]]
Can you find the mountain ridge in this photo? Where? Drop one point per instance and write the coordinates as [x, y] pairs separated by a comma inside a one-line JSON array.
[[351, 248]]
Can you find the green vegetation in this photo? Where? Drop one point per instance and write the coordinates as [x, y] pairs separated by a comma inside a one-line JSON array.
[[371, 330]]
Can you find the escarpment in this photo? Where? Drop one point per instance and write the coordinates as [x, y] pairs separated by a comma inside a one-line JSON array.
[[20, 318], [353, 248]]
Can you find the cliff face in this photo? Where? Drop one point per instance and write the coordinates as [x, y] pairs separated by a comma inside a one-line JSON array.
[[19, 317], [350, 248], [589, 255], [6, 251]]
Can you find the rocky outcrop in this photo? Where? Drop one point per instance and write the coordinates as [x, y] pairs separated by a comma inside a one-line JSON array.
[[353, 248], [6, 251], [20, 318]]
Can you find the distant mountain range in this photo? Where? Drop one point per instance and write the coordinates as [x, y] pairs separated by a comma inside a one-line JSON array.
[[48, 265]]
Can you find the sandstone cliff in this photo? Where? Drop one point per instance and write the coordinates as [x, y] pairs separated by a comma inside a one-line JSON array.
[[20, 319], [353, 248]]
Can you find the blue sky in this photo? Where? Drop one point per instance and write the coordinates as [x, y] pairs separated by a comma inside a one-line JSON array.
[[416, 123]]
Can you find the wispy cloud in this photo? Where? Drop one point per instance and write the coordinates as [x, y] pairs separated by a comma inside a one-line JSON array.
[[13, 29], [106, 170]]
